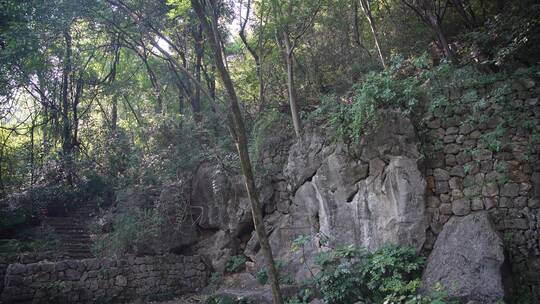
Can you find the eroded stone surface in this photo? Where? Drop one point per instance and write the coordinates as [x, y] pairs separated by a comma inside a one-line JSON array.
[[467, 260], [367, 194]]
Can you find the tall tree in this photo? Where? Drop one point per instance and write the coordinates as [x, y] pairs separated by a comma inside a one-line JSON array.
[[432, 12], [256, 50], [366, 8], [210, 25], [292, 20]]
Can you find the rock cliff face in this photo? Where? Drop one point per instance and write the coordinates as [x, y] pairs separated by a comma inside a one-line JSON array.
[[368, 194], [438, 191]]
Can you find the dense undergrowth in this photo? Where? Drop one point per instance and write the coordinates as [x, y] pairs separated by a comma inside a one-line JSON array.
[[349, 274]]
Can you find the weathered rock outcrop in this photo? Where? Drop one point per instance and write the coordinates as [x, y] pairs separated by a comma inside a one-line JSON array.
[[368, 194], [467, 260]]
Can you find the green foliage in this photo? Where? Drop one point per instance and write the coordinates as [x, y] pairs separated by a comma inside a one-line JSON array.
[[130, 229], [160, 297], [266, 126], [304, 295], [178, 7], [236, 263], [340, 278], [221, 299], [509, 34], [392, 273], [349, 274], [284, 277], [30, 240], [300, 242], [216, 278], [379, 90]]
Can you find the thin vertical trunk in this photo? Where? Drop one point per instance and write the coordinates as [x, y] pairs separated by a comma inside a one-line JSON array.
[[253, 52], [443, 42], [76, 100], [45, 115], [199, 52], [366, 8], [114, 112], [432, 15], [45, 131], [210, 83], [66, 133], [357, 36], [290, 86], [466, 13], [242, 147], [32, 157]]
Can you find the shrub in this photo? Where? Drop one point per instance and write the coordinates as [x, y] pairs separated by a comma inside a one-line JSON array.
[[221, 299], [215, 278], [340, 278], [235, 264], [284, 277], [130, 229], [349, 274], [392, 273], [388, 89]]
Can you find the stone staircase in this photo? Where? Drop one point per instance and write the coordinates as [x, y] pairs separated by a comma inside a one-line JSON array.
[[72, 232]]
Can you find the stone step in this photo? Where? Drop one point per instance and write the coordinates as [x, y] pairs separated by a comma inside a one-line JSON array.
[[75, 246], [79, 251], [71, 238]]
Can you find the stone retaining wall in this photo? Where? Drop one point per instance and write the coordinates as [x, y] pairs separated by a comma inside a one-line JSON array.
[[26, 258], [103, 280], [484, 155]]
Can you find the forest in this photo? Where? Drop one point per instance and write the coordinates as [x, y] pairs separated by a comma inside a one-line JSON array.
[[115, 114]]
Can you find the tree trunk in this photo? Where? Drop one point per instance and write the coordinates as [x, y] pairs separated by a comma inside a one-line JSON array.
[[242, 147], [32, 157], [357, 36], [436, 25], [366, 8], [78, 95], [290, 86], [254, 54], [199, 52], [466, 13], [45, 131], [114, 113], [66, 133]]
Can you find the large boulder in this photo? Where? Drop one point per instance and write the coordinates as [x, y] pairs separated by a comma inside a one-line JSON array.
[[467, 260], [219, 201]]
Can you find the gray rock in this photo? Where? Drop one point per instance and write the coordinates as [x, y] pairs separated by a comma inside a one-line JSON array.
[[73, 275], [467, 259], [519, 223], [441, 187], [477, 204], [452, 130], [451, 149], [490, 189], [368, 194], [533, 203], [441, 175], [433, 202], [457, 171], [391, 210], [446, 209], [510, 190], [461, 206]]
